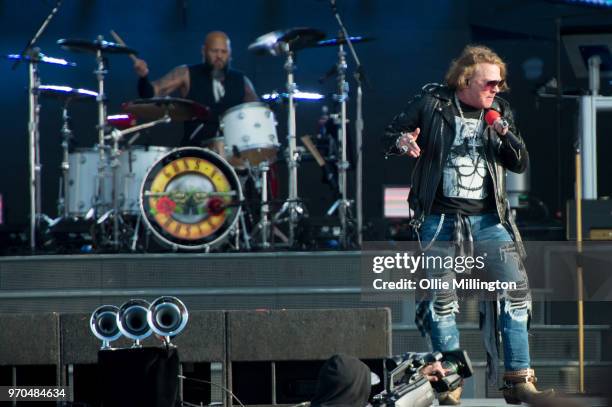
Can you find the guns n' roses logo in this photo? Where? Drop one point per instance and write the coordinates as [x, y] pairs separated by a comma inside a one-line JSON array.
[[189, 197]]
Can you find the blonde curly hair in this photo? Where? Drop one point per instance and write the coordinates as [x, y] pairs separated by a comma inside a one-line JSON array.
[[462, 69]]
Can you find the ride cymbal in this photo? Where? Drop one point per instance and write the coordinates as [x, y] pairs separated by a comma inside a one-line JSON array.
[[78, 45], [155, 108]]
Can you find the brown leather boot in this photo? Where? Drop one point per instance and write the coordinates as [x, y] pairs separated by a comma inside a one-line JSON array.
[[450, 398], [519, 387]]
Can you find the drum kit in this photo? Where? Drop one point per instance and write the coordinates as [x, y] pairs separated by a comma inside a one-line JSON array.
[[187, 198]]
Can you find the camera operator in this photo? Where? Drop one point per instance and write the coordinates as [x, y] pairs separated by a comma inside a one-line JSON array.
[[346, 381]]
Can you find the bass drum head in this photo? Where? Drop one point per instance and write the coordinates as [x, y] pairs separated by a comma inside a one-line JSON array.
[[190, 199]]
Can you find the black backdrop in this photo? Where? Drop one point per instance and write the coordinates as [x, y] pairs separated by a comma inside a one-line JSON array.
[[415, 42]]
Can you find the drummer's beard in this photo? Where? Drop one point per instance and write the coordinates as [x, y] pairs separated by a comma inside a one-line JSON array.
[[218, 74], [218, 70]]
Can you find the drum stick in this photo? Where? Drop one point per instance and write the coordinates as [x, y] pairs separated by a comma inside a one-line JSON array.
[[121, 42], [313, 150]]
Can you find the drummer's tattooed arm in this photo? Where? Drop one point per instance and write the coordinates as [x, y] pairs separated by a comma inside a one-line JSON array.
[[175, 80], [249, 91]]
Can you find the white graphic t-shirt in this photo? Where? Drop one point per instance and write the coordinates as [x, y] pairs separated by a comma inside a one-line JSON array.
[[465, 186]]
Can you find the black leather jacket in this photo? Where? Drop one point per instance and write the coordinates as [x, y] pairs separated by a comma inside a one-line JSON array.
[[432, 111]]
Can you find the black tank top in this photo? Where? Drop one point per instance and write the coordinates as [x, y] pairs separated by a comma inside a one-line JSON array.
[[201, 91]]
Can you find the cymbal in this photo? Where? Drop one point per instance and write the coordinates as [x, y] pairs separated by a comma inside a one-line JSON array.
[[77, 45], [342, 40], [40, 58], [297, 95], [178, 109], [276, 42], [66, 92]]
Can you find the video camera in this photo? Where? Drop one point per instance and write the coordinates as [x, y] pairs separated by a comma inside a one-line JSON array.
[[407, 386]]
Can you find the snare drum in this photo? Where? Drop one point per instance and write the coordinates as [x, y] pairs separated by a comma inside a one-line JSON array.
[[190, 199], [135, 163], [84, 182], [249, 132]]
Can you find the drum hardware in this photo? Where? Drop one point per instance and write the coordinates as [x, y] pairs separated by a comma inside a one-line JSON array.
[[33, 56], [328, 173], [132, 321], [287, 42], [342, 204], [359, 75], [65, 94], [62, 205], [116, 135], [134, 240], [263, 227], [101, 49]]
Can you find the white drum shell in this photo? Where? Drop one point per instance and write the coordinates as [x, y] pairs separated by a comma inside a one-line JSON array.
[[249, 127], [83, 182], [134, 165]]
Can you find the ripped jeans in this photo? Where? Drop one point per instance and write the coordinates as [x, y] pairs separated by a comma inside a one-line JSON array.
[[503, 264]]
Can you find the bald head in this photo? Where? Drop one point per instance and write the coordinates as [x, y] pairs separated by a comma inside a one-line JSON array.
[[216, 50]]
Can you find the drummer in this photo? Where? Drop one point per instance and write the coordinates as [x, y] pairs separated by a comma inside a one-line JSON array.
[[212, 83]]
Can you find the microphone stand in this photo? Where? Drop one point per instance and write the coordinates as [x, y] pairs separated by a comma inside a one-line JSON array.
[[34, 182], [343, 165]]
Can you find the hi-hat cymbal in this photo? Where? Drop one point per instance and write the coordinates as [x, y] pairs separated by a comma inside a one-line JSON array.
[[66, 92], [342, 40], [280, 41], [178, 109], [77, 45], [40, 58]]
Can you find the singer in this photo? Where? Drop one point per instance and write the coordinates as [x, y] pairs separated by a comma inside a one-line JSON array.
[[464, 139]]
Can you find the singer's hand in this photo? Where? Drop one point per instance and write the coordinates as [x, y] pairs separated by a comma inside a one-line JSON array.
[[501, 126], [407, 144]]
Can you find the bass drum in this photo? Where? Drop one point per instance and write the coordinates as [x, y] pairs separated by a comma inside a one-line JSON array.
[[190, 199]]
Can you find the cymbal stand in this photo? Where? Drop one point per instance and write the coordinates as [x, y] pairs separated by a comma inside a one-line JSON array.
[[64, 195], [293, 208], [34, 145], [360, 78], [34, 123], [261, 184], [342, 204], [102, 125]]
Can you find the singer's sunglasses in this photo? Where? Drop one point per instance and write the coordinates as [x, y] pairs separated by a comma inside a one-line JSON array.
[[492, 84]]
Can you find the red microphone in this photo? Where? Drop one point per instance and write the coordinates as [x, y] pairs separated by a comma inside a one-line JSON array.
[[492, 116]]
